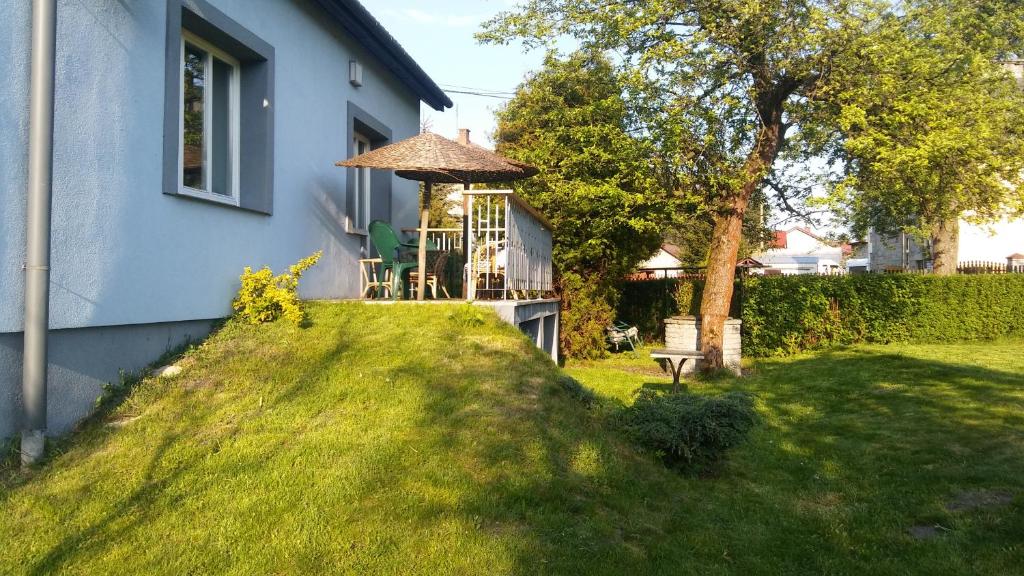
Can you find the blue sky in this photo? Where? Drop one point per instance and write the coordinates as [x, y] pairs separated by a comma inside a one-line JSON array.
[[439, 36]]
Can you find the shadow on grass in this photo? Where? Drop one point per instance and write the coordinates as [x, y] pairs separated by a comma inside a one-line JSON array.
[[855, 449]]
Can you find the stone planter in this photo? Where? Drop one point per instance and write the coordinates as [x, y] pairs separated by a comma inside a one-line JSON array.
[[683, 333]]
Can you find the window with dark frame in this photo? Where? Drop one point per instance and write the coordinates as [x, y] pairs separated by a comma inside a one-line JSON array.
[[360, 217], [209, 135], [218, 110]]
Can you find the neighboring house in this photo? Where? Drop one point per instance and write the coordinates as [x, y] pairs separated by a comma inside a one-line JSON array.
[[800, 251], [993, 243], [664, 264], [192, 138]]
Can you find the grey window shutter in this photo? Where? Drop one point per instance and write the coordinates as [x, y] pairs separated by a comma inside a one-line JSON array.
[[256, 164], [380, 191]]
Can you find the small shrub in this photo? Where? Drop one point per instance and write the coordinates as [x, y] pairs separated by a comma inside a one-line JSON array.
[[688, 431], [264, 297]]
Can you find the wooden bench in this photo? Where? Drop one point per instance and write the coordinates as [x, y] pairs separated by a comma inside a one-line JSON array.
[[676, 360]]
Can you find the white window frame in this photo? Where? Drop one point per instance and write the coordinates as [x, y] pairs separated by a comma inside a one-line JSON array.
[[233, 121], [361, 189]]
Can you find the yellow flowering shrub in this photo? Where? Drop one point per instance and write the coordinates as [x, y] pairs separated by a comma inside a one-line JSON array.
[[264, 297]]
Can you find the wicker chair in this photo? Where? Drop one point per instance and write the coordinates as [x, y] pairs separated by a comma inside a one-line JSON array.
[[436, 261]]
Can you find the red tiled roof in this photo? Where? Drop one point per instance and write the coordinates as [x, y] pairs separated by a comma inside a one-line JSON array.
[[779, 239], [811, 234]]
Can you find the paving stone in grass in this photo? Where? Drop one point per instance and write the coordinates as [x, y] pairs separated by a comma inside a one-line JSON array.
[[970, 500], [924, 532]]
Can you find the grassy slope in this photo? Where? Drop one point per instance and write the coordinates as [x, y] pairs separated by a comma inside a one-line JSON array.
[[433, 439]]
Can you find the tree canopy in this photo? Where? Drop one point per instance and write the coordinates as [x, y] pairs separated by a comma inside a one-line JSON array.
[[598, 184], [930, 124]]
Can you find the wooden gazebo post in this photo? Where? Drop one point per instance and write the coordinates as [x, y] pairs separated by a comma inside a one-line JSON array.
[[421, 277]]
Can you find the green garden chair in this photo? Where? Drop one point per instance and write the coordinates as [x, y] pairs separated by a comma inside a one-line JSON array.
[[397, 257], [620, 333]]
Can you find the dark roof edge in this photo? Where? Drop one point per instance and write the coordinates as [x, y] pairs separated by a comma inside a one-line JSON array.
[[361, 25]]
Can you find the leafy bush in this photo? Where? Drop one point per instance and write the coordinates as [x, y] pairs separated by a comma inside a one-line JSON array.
[[689, 431], [264, 297], [645, 304], [586, 313]]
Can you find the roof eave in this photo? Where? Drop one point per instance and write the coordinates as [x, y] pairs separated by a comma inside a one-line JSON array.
[[357, 21]]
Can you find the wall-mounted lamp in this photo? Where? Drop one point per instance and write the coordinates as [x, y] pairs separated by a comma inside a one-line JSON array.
[[355, 73]]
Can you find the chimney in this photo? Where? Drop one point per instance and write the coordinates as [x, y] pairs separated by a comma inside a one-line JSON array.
[[464, 136]]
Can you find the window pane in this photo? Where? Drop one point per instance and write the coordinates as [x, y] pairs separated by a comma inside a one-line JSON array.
[[361, 205], [220, 137], [193, 149], [365, 200]]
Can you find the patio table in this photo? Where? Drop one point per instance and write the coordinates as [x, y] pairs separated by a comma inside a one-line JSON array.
[[676, 359]]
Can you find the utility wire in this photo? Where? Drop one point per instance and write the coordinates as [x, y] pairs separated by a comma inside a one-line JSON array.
[[475, 89], [478, 94]]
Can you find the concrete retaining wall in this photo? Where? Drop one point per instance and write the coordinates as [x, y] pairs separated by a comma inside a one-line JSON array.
[[81, 361], [538, 319]]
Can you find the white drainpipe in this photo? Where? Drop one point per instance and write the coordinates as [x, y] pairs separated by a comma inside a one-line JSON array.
[[37, 243]]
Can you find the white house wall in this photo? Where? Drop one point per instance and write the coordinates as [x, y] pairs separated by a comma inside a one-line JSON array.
[[803, 254], [988, 243], [991, 243], [661, 260]]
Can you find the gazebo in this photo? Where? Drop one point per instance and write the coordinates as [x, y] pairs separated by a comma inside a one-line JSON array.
[[431, 159]]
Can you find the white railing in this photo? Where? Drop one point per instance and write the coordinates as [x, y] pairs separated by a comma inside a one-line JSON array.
[[509, 247], [447, 239]]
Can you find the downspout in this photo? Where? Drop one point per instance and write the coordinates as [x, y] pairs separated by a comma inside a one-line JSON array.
[[37, 225]]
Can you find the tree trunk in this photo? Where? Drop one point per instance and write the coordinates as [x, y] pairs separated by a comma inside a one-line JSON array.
[[725, 242], [718, 283], [945, 246]]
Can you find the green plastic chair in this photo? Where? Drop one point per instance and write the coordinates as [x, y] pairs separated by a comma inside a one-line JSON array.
[[394, 254]]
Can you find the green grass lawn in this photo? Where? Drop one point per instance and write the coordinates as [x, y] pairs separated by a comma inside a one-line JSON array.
[[433, 439]]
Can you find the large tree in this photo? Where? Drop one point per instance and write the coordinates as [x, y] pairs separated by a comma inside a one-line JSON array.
[[599, 184], [719, 83], [931, 123]]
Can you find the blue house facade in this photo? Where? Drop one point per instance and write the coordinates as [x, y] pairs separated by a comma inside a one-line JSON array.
[[192, 138]]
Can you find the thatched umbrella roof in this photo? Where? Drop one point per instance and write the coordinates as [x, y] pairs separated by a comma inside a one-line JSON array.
[[436, 159]]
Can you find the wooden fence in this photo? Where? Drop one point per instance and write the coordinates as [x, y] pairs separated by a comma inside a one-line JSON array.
[[980, 267]]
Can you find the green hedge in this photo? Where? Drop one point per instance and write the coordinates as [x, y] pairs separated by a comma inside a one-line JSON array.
[[646, 303], [785, 314]]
